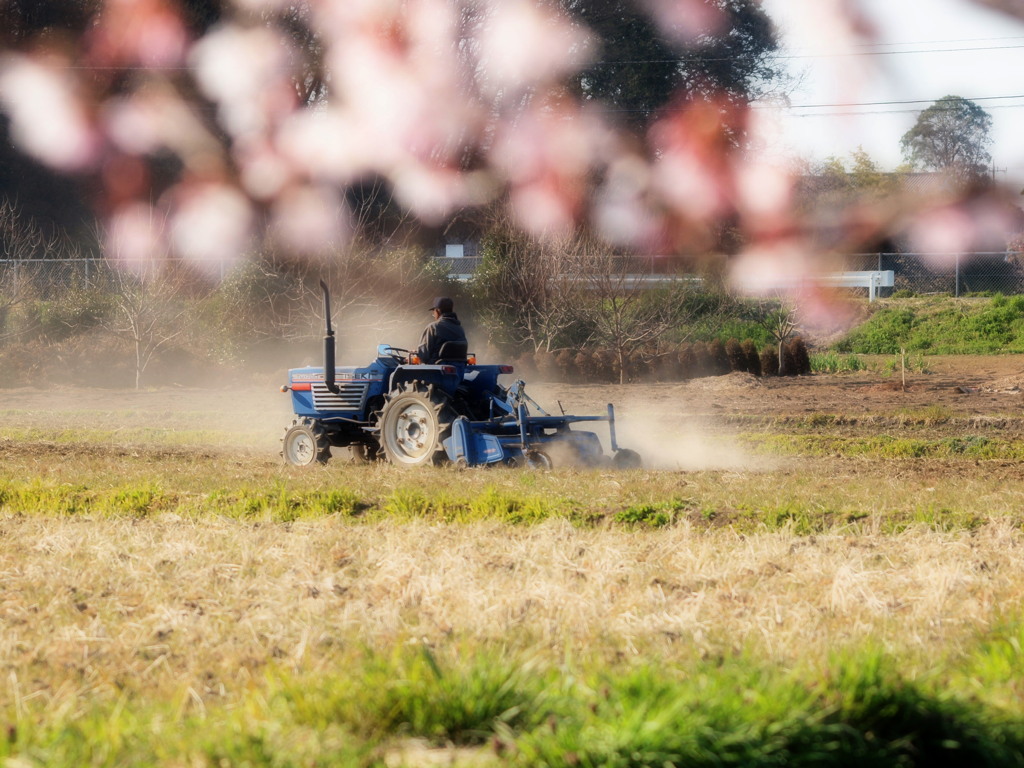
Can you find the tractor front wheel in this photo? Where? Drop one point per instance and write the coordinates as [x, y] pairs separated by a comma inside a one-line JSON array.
[[414, 422], [305, 443]]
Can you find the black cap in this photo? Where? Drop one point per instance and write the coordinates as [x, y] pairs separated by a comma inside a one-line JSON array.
[[444, 304]]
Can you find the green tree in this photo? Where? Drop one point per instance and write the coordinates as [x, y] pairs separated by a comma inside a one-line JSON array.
[[839, 182], [640, 66], [952, 136], [866, 174]]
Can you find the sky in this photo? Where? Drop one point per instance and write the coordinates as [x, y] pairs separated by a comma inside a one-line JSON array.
[[922, 50]]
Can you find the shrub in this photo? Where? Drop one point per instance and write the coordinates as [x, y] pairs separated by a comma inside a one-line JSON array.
[[639, 367], [668, 367], [797, 351], [701, 360], [718, 359], [584, 364], [76, 311], [604, 365], [20, 364], [737, 358], [770, 361], [564, 364], [753, 359], [545, 365], [687, 361], [787, 362]]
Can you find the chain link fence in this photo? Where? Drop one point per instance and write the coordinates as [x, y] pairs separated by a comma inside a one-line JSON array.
[[952, 274], [49, 278]]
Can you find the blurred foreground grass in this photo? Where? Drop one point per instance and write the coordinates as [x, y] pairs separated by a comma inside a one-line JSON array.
[[413, 708]]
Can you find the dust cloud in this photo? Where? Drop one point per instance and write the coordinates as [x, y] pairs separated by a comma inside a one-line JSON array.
[[671, 426], [673, 441]]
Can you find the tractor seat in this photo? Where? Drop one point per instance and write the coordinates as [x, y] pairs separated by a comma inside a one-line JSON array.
[[453, 352]]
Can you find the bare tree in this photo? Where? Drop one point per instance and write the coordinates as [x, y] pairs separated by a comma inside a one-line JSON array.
[[779, 318], [149, 311], [374, 288], [625, 313], [529, 289]]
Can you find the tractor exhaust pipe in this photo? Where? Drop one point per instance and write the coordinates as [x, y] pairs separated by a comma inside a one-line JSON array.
[[328, 342]]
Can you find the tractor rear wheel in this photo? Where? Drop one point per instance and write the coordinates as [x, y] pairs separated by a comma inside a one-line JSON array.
[[305, 443], [414, 422]]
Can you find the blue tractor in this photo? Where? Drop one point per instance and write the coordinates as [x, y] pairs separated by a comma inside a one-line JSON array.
[[412, 414]]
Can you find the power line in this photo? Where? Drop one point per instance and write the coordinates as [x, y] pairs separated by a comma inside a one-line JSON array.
[[849, 106], [942, 42], [900, 53], [892, 103], [786, 57], [796, 52], [887, 112]]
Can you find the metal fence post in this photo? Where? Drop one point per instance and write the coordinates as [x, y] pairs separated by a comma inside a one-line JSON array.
[[957, 293]]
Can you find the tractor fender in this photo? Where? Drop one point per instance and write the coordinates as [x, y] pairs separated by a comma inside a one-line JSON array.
[[444, 377]]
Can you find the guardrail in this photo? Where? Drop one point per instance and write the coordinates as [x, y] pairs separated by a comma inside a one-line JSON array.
[[922, 273], [870, 280]]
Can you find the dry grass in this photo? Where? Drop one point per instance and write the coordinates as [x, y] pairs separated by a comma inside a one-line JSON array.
[[196, 610]]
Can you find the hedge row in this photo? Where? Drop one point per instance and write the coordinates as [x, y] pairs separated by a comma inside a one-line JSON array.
[[680, 363]]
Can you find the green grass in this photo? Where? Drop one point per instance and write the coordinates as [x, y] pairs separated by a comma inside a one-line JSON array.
[[832, 362], [940, 326], [802, 512], [656, 515], [275, 504], [887, 446], [480, 706], [923, 419], [410, 693]]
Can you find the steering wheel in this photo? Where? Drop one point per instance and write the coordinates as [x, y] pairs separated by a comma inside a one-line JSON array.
[[399, 354]]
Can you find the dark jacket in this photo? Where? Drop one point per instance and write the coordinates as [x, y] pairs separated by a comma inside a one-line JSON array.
[[445, 328]]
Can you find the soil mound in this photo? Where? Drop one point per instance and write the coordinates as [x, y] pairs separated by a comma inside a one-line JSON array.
[[1014, 383], [730, 381]]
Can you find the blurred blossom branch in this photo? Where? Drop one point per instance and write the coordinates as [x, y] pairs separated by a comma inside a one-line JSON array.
[[265, 121]]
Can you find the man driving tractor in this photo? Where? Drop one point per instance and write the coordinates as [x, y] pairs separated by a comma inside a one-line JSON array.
[[446, 327]]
